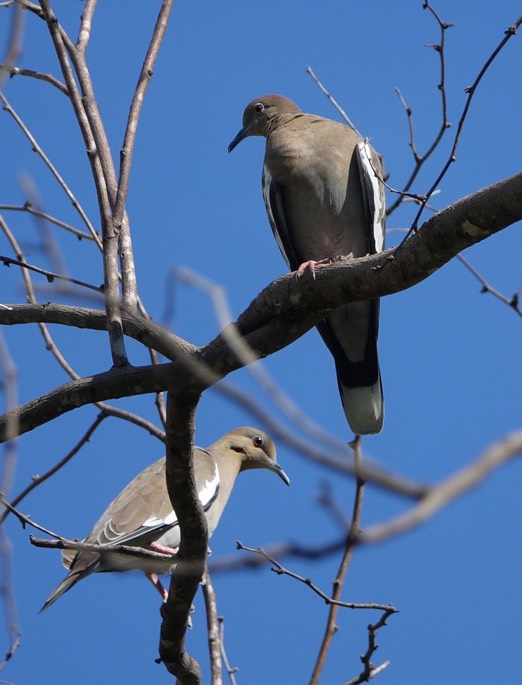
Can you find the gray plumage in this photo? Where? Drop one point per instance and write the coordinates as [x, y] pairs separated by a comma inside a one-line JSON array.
[[324, 196], [142, 515]]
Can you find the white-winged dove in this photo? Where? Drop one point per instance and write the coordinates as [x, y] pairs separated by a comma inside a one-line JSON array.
[[324, 196], [142, 515]]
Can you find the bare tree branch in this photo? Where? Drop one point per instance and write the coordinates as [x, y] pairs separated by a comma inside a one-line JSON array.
[[37, 480], [40, 152], [449, 489], [49, 275], [370, 671], [231, 670], [84, 34], [280, 550], [330, 97], [39, 76], [213, 629], [10, 453], [470, 90], [420, 159], [290, 306], [14, 42], [63, 543], [512, 302], [194, 538], [93, 132], [338, 583], [331, 601], [119, 219], [27, 207]]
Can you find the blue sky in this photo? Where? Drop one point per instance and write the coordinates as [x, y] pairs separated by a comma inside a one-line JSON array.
[[449, 354]]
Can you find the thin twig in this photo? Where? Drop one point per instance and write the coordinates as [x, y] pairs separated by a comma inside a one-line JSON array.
[[370, 671], [127, 264], [27, 207], [512, 302], [50, 245], [91, 126], [38, 75], [338, 583], [10, 453], [449, 489], [8, 367], [420, 159], [11, 614], [228, 564], [63, 543], [53, 348], [213, 632], [231, 670], [39, 151], [14, 41], [284, 404], [49, 275], [326, 499], [84, 34], [280, 570], [330, 97], [38, 480], [26, 520], [470, 90]]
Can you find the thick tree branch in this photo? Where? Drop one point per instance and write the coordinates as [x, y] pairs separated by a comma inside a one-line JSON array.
[[193, 547], [291, 305], [140, 329]]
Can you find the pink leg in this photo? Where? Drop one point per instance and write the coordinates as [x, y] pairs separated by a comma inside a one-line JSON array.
[[157, 547], [311, 264], [153, 577]]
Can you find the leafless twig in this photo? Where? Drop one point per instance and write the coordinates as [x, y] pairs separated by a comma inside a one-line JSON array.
[[84, 33], [470, 90], [281, 550], [512, 302], [38, 480], [284, 404], [14, 41], [338, 583], [420, 159], [449, 489], [73, 65], [231, 670], [39, 76], [40, 152], [370, 671], [280, 570], [119, 219], [330, 97], [213, 631], [27, 207], [49, 275], [63, 543], [10, 389]]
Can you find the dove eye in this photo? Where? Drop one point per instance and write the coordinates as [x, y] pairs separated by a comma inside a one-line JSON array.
[[259, 107], [258, 441]]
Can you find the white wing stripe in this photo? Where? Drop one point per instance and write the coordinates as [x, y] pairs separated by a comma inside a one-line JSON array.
[[375, 184], [206, 495]]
